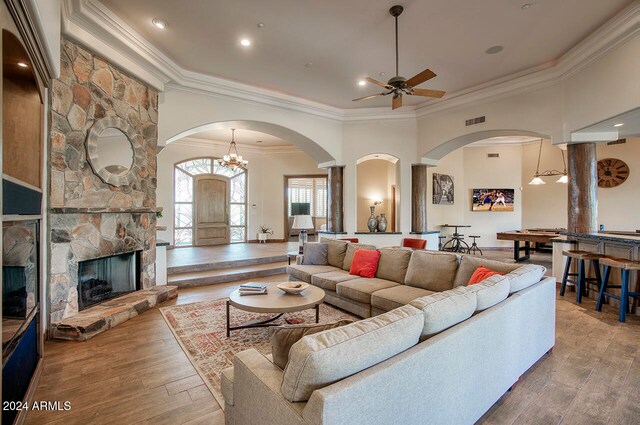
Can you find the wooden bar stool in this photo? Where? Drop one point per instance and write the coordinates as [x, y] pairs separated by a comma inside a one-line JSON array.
[[474, 246], [582, 279], [625, 267]]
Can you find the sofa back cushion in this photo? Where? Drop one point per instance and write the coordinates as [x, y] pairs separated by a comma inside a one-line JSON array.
[[283, 337], [393, 264], [431, 270], [351, 249], [469, 264], [525, 276], [321, 359], [335, 251], [445, 309], [315, 254], [490, 291]]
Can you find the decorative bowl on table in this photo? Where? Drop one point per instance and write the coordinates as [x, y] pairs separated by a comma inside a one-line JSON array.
[[293, 288]]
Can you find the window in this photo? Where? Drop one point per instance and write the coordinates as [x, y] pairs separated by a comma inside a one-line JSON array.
[[184, 203], [311, 190]]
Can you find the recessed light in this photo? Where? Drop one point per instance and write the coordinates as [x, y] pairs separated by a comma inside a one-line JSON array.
[[618, 125], [362, 83], [494, 49], [22, 65], [245, 42], [382, 74], [159, 23], [308, 64], [526, 6], [258, 141], [260, 24]]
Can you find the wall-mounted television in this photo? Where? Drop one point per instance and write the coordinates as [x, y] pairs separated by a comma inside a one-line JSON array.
[[494, 200], [300, 208]]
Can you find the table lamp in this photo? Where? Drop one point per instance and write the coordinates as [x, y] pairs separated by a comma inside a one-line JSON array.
[[302, 223]]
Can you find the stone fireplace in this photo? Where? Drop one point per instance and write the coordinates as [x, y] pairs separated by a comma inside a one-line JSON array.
[[91, 217]]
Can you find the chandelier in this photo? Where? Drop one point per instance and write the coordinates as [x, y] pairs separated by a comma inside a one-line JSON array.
[[232, 160], [549, 173]]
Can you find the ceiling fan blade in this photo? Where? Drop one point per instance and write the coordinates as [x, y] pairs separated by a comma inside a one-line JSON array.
[[377, 82], [370, 96], [428, 93], [420, 78], [396, 102]]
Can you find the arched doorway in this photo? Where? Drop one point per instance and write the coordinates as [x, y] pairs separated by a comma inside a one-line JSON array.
[[186, 202]]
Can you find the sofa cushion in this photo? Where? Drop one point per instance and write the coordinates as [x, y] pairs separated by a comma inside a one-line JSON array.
[[490, 291], [445, 309], [431, 270], [365, 263], [321, 359], [480, 274], [315, 254], [397, 296], [351, 249], [304, 273], [393, 264], [283, 337], [469, 264], [226, 385], [525, 276], [360, 289], [335, 251], [329, 280]]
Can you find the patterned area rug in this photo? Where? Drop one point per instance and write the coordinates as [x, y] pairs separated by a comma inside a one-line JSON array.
[[200, 331]]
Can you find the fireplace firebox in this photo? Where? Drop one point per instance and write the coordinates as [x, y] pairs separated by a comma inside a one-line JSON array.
[[102, 279]]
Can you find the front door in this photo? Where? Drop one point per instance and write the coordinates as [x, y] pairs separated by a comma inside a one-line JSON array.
[[212, 210]]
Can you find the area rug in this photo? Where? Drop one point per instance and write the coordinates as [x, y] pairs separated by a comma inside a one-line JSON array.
[[200, 331]]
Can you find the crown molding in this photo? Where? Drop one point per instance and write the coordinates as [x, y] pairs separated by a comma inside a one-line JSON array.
[[198, 142], [615, 32], [93, 25]]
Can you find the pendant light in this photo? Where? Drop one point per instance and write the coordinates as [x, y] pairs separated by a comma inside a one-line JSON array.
[[537, 180]]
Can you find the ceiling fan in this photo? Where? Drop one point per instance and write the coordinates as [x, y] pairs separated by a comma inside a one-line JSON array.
[[399, 85]]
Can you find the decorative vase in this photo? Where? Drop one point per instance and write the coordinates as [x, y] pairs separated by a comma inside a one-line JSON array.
[[382, 223], [262, 237], [372, 223]]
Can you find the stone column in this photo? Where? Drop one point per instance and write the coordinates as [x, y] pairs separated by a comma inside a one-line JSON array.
[[335, 195], [583, 188], [418, 198]]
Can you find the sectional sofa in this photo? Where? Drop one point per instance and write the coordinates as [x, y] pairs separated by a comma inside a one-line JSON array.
[[431, 350]]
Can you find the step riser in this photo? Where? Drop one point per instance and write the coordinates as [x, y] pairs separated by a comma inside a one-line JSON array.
[[225, 264], [231, 277]]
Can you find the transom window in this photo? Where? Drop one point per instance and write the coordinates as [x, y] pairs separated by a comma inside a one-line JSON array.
[[184, 201]]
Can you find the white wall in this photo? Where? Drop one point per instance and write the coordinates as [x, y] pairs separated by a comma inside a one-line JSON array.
[[266, 170], [618, 207]]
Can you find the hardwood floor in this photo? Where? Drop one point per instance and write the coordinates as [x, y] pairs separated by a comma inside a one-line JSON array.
[[136, 373]]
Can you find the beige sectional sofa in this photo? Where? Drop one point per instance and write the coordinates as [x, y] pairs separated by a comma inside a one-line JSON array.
[[432, 350], [403, 275]]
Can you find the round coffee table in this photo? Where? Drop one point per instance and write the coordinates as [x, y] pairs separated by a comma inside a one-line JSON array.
[[275, 301]]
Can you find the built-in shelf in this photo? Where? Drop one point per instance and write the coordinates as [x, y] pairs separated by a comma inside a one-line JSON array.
[[428, 232], [377, 233]]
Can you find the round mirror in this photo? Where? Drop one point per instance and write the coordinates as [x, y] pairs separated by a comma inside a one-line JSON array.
[[115, 151], [111, 153]]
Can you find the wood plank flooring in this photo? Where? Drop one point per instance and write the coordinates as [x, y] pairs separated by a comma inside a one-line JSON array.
[[136, 373]]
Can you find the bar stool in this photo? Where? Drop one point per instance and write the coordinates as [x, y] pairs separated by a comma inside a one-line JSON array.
[[625, 267], [582, 280], [474, 245], [440, 239]]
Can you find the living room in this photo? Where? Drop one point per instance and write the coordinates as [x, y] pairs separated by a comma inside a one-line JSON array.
[[126, 123]]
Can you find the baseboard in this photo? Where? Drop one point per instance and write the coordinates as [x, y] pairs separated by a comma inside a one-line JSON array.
[[268, 241]]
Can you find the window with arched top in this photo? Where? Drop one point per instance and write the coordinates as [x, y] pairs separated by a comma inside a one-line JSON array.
[[184, 199]]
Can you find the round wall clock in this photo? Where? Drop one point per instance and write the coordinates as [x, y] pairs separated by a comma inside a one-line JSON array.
[[612, 172]]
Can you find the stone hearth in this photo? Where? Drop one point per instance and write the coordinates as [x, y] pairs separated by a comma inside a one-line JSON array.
[[99, 318]]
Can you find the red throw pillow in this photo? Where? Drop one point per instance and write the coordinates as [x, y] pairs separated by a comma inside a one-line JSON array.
[[481, 274], [365, 262]]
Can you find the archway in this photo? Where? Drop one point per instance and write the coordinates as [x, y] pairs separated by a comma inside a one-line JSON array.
[[311, 148], [434, 155], [377, 195]]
